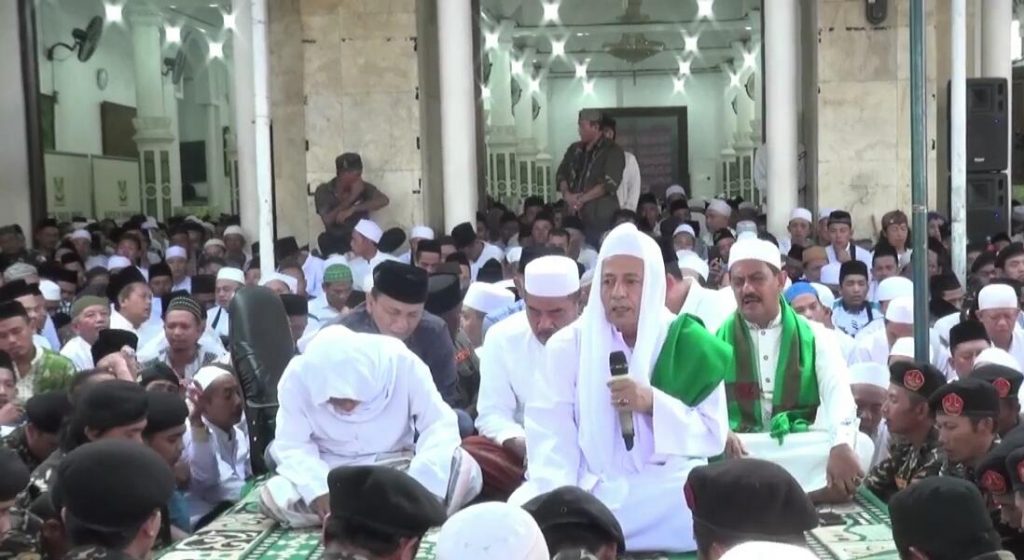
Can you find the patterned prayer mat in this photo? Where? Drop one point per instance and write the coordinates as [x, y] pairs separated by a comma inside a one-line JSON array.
[[243, 533]]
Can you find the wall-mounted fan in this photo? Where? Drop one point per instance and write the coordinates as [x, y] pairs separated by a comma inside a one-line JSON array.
[[86, 40], [175, 66]]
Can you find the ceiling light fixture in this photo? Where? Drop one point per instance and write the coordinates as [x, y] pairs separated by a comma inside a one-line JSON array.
[[588, 87], [173, 34], [581, 69], [734, 79], [229, 20], [679, 85], [534, 85], [517, 66], [216, 49], [750, 59], [485, 92], [490, 40], [112, 12], [704, 8], [557, 47], [691, 42], [684, 67], [551, 11]]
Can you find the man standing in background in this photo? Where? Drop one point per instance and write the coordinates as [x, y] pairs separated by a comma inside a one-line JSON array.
[[590, 174], [346, 199]]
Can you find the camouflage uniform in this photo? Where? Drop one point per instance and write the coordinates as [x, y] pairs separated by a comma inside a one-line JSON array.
[[40, 481], [467, 366], [17, 441], [963, 470], [22, 541], [96, 552], [904, 466]]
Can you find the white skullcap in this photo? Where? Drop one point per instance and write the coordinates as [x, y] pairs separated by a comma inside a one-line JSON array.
[[208, 374], [825, 295], [746, 226], [824, 213], [997, 296], [234, 230], [551, 276], [691, 261], [746, 205], [231, 273], [81, 234], [150, 223], [720, 206], [902, 347], [996, 356], [176, 252], [487, 298], [684, 228], [369, 230], [507, 284], [761, 550], [421, 232], [748, 235], [588, 278], [894, 287], [755, 249], [117, 261], [491, 531], [50, 290], [830, 274], [801, 214], [213, 243], [675, 189], [901, 310], [513, 254], [267, 277]]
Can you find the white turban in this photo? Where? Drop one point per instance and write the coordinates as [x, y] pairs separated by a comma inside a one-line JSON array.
[[903, 347], [674, 190], [751, 248], [117, 261], [176, 252], [50, 290], [369, 230], [759, 550], [208, 374], [233, 274], [234, 230], [996, 356], [825, 295], [901, 310], [268, 277], [551, 276], [491, 531], [421, 232], [830, 274], [801, 214], [684, 228], [720, 206], [894, 287]]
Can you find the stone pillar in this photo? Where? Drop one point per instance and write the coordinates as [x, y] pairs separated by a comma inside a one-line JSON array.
[[996, 58], [781, 58], [245, 126], [730, 178], [159, 155], [458, 112], [219, 199], [501, 133], [755, 44], [526, 146], [543, 176]]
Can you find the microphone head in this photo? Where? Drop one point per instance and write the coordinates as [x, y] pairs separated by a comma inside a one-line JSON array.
[[617, 363]]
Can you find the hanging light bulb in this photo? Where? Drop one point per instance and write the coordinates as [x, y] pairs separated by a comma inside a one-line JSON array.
[[588, 87], [216, 49], [691, 42], [229, 20], [581, 69], [112, 12], [517, 66], [734, 79], [490, 40], [173, 34], [684, 67], [557, 47], [679, 84], [551, 11], [704, 8], [485, 92], [534, 85], [750, 59]]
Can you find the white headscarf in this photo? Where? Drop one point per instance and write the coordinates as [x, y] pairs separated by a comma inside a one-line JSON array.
[[600, 421]]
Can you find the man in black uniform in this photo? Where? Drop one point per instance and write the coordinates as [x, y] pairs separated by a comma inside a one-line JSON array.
[[346, 199], [965, 414], [1006, 382], [589, 175], [37, 438], [994, 481], [577, 524]]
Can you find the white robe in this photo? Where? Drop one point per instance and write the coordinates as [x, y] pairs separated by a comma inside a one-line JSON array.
[[219, 321], [361, 268], [629, 189], [185, 284], [1016, 348], [489, 252], [313, 270], [50, 333], [79, 352], [149, 331], [509, 361], [710, 306], [219, 465]]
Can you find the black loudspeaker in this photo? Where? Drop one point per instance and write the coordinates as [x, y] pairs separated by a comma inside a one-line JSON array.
[[987, 124], [988, 195]]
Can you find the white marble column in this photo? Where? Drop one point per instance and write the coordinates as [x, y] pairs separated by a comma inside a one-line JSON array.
[[996, 58], [458, 111], [245, 127], [219, 197], [523, 110], [544, 176], [755, 44], [781, 56], [501, 133]]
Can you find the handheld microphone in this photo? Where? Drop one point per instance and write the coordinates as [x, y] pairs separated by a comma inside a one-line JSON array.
[[619, 367]]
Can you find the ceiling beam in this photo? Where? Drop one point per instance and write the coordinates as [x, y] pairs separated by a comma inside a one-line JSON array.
[[732, 25]]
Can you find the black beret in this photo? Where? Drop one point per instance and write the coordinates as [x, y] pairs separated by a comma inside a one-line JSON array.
[[391, 239], [10, 309], [17, 289], [1015, 468], [966, 331], [159, 269], [992, 475], [1006, 380], [400, 281], [428, 246], [163, 412], [383, 499], [647, 198], [571, 505], [13, 474], [749, 499], [942, 513], [46, 411], [295, 305], [969, 397], [121, 280], [112, 484], [443, 293], [158, 371], [922, 379], [852, 266], [110, 341], [185, 303], [840, 217], [463, 235], [58, 273], [1008, 252], [490, 272], [348, 161], [285, 247], [530, 253], [204, 284], [110, 404]]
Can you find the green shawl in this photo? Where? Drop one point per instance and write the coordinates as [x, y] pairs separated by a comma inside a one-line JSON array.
[[795, 398], [692, 362]]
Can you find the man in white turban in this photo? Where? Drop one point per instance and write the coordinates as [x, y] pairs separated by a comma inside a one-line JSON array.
[[577, 428]]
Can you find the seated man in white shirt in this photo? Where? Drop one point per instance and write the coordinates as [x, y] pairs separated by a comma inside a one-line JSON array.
[[998, 310], [182, 346], [217, 442], [416, 234], [870, 383], [807, 300], [384, 410], [333, 302], [476, 250], [365, 256], [229, 280], [898, 323], [480, 300], [89, 315], [133, 305], [841, 247], [685, 291], [177, 260], [967, 340]]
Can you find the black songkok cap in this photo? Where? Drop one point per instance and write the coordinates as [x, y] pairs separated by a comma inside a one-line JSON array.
[[647, 198], [391, 239], [942, 514], [17, 289], [204, 284], [57, 273], [992, 475], [400, 281], [1008, 252], [348, 161], [185, 303], [10, 309], [969, 397], [383, 499], [922, 379], [490, 272], [164, 411], [1006, 380], [573, 506], [428, 246], [1015, 468], [121, 280], [852, 267], [112, 484], [966, 331], [443, 293], [840, 217], [111, 341], [285, 247], [46, 411], [749, 499], [159, 269], [13, 474], [463, 235], [295, 305], [158, 371]]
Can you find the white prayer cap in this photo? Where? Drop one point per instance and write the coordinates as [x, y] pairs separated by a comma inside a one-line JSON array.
[[117, 261], [81, 234], [150, 223], [234, 230], [903, 347], [213, 243], [746, 205], [267, 277], [551, 276], [176, 252], [901, 310], [587, 279], [746, 226], [674, 190], [825, 295], [684, 228], [691, 261], [513, 254], [894, 287], [50, 290], [762, 550], [491, 531], [507, 284], [369, 230], [830, 274], [720, 206], [208, 374], [824, 213], [231, 273], [421, 232], [997, 296], [755, 249], [487, 298], [801, 214], [996, 356]]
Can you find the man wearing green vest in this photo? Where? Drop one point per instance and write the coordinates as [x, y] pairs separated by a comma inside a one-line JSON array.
[[788, 389]]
